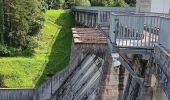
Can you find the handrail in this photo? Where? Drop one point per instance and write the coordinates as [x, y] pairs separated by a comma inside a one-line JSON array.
[[130, 29]]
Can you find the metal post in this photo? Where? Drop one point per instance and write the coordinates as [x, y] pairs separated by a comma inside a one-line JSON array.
[[113, 27], [99, 18], [150, 28], [78, 17], [51, 88], [86, 19], [92, 20]]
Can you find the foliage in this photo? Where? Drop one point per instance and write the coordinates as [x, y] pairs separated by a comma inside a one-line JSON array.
[[1, 21], [108, 3], [80, 2], [51, 55], [23, 20], [4, 51], [121, 3], [60, 1], [55, 4], [60, 52], [102, 2], [131, 3]]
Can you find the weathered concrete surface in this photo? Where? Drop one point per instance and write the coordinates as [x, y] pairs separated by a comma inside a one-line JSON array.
[[95, 78], [154, 80], [16, 94], [110, 90], [143, 5], [86, 81], [115, 83]]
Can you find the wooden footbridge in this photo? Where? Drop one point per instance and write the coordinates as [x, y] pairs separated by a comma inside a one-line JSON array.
[[126, 32]]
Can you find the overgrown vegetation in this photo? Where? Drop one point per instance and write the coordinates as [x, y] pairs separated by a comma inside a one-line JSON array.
[[1, 22], [54, 4], [20, 21], [108, 2], [51, 55], [131, 3]]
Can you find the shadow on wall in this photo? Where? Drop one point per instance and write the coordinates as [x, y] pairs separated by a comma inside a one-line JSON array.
[[61, 49]]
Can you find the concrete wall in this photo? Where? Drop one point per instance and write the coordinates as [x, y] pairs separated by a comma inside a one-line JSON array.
[[155, 6], [84, 82], [143, 5], [48, 88], [16, 94], [160, 6], [157, 92]]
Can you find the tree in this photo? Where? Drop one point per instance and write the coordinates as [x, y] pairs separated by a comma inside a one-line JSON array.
[[110, 2], [98, 2], [80, 2], [121, 3], [1, 22], [23, 21], [60, 1]]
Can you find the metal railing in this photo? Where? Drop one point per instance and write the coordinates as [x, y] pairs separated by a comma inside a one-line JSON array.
[[164, 37], [134, 30], [86, 18], [94, 16], [125, 27], [104, 18]]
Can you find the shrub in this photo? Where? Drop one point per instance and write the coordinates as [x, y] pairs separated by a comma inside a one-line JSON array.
[[121, 3], [79, 2], [26, 21]]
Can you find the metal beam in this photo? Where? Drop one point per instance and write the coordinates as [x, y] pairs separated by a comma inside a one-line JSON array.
[[124, 62], [136, 51], [127, 65]]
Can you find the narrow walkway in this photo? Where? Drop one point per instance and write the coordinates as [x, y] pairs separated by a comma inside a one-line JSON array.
[[88, 36]]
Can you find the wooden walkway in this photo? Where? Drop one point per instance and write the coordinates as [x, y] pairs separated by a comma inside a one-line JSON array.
[[88, 36], [127, 40]]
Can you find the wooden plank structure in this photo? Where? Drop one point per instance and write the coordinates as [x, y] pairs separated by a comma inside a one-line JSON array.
[[88, 36]]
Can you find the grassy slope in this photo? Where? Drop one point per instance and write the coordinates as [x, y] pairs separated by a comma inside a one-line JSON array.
[[50, 56]]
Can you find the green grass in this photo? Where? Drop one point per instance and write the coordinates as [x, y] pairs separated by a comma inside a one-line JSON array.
[[51, 55]]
